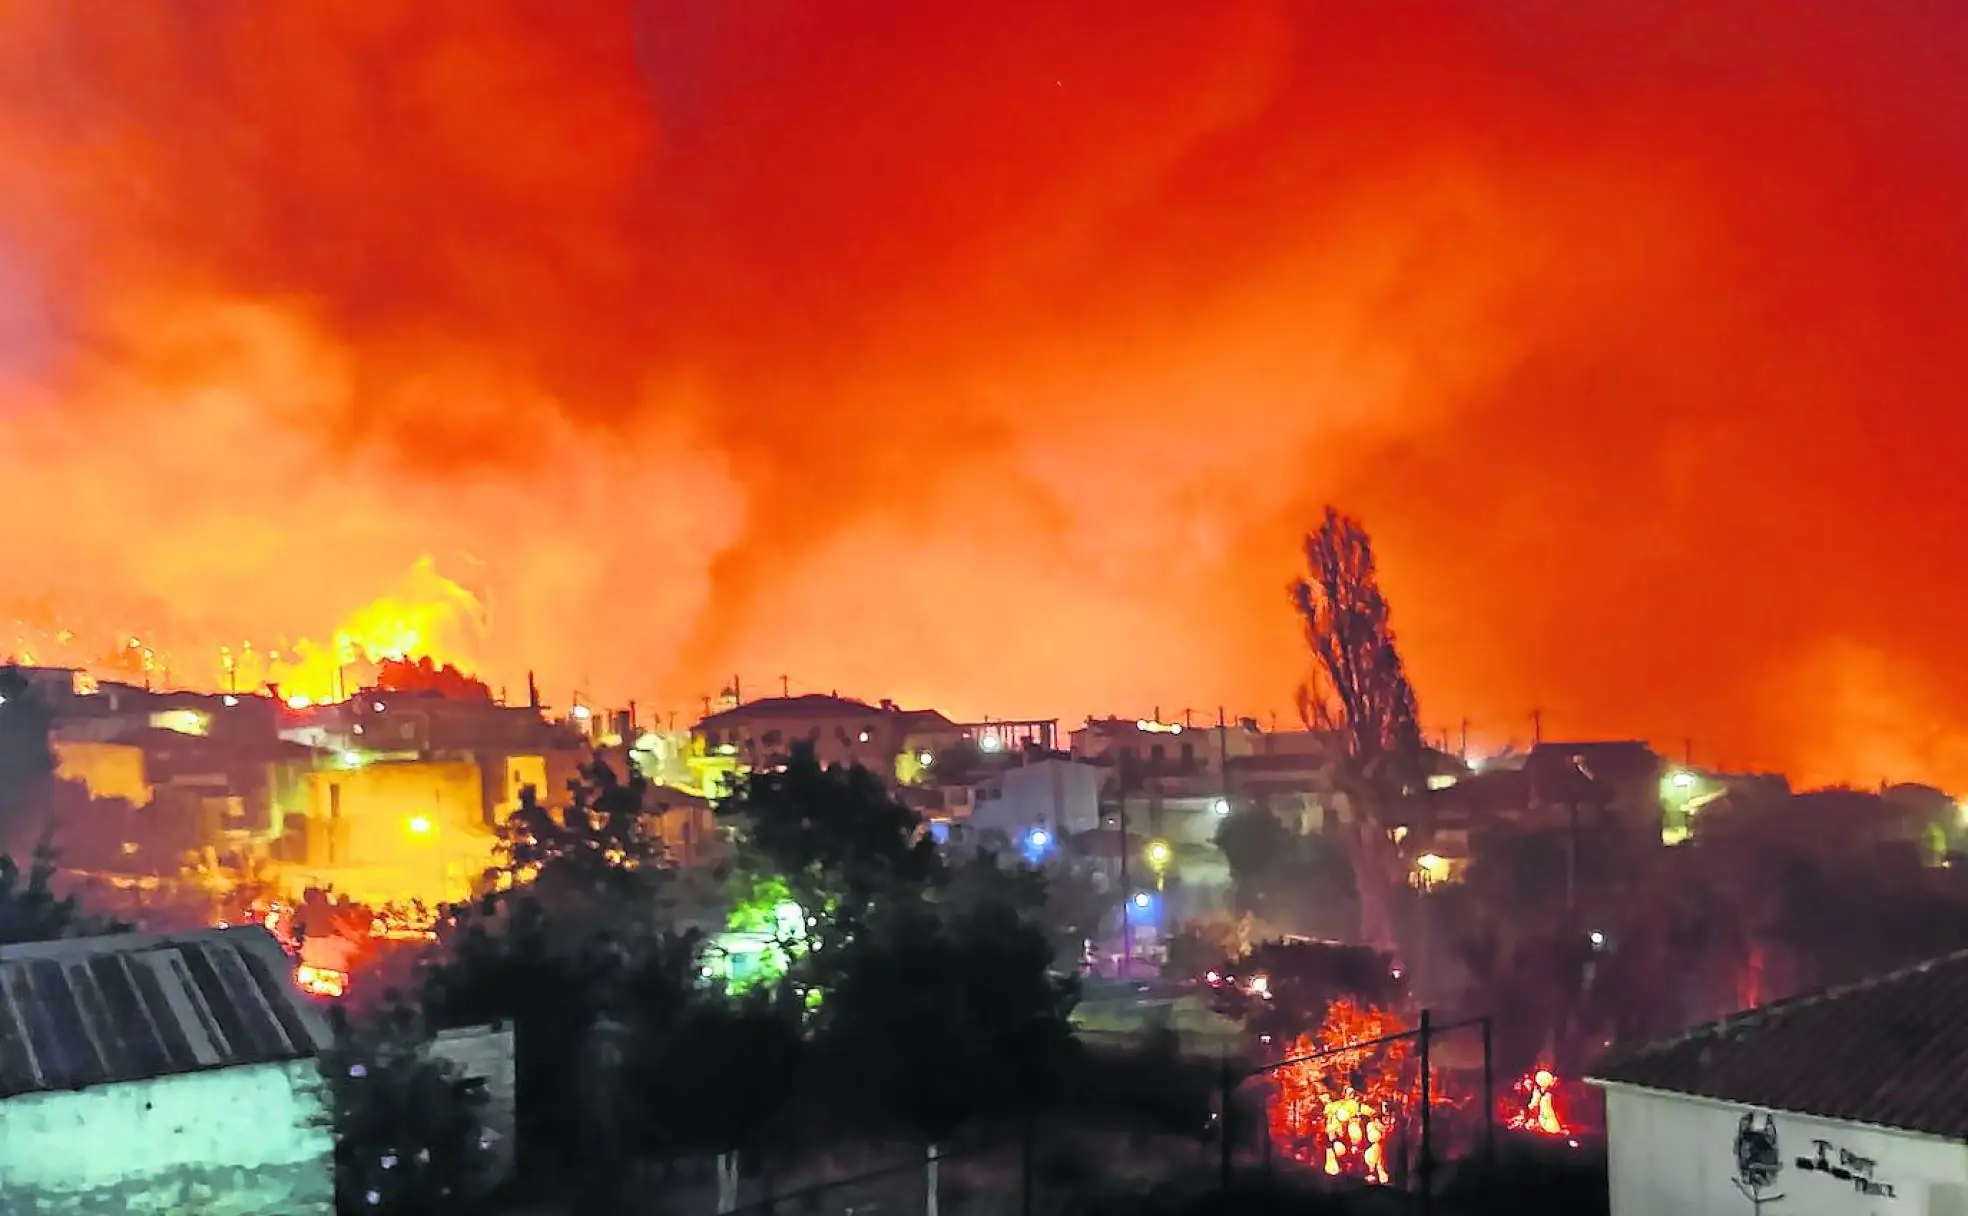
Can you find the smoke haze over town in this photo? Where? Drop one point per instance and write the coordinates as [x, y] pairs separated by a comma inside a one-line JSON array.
[[998, 358]]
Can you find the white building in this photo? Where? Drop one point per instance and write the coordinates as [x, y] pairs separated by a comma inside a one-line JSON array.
[[152, 1075], [1848, 1102], [1060, 796]]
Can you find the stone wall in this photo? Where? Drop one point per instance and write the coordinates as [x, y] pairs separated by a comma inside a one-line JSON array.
[[243, 1141]]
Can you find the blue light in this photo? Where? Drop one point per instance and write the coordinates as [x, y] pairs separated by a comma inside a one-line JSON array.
[[1038, 840]]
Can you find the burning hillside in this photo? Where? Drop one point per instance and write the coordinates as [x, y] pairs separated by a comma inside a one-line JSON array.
[[428, 617]]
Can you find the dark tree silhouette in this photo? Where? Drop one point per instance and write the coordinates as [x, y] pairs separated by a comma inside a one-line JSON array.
[[27, 761], [840, 843], [30, 911], [1358, 692], [409, 1131], [580, 939], [1298, 882], [935, 1021]]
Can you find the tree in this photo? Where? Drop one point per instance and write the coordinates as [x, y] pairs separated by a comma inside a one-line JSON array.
[[938, 1021], [723, 1078], [579, 940], [30, 911], [27, 761], [838, 844], [1358, 691], [408, 1127], [1284, 877]]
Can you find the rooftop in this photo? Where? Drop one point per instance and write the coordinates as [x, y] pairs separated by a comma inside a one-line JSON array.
[[1890, 1051], [92, 1011]]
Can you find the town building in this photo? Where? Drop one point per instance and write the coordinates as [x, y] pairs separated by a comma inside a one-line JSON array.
[[1054, 795], [885, 738], [161, 1075], [1843, 1101]]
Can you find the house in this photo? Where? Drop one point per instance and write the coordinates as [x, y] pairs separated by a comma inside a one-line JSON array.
[[1058, 795], [160, 1074], [383, 831], [841, 730], [1848, 1100]]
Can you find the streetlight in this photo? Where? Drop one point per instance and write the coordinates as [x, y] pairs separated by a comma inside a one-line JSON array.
[[1158, 858], [419, 825], [1221, 806]]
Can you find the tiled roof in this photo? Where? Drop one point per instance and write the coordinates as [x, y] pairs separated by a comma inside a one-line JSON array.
[[1890, 1051], [90, 1011]]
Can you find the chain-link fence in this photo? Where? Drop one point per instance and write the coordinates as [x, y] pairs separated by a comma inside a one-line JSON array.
[[1392, 1110]]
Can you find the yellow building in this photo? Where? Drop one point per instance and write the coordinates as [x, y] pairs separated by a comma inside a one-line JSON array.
[[394, 831], [110, 770]]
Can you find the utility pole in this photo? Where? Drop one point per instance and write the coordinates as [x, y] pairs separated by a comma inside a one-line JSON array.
[[1127, 895], [1188, 719], [1223, 755], [785, 686], [1537, 726], [1465, 741], [737, 689]]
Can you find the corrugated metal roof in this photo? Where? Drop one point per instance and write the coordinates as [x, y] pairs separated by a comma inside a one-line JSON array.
[[1890, 1052], [91, 1011]]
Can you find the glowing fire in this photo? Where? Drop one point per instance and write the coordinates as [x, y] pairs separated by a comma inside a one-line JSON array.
[[427, 615], [1533, 1106], [1341, 1113], [321, 981]]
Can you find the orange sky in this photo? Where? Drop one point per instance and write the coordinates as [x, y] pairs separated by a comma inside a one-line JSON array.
[[995, 356]]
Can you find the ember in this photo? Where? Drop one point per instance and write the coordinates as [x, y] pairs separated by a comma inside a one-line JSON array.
[[1533, 1107], [1341, 1113]]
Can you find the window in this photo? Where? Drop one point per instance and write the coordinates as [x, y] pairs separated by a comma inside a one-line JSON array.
[[1155, 753], [1188, 754]]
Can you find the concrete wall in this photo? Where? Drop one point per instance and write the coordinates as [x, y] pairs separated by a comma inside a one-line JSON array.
[[1672, 1154], [244, 1141], [487, 1052]]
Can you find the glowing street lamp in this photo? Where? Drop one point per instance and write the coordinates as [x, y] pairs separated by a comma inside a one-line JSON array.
[[1038, 840], [420, 825], [1158, 855], [1142, 899]]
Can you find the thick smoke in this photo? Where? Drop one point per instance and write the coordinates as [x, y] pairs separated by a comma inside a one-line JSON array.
[[996, 357]]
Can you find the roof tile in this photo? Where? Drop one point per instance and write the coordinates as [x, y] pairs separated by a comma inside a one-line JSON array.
[[1891, 1051]]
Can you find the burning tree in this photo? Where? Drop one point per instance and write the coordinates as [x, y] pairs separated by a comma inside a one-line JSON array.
[[1359, 695], [1345, 1113]]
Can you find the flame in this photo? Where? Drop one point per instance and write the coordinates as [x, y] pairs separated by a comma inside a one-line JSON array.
[[1532, 1105], [321, 981], [1340, 1113]]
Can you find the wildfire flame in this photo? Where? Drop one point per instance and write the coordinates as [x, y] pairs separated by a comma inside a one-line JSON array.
[[1340, 1113], [1533, 1106], [427, 616]]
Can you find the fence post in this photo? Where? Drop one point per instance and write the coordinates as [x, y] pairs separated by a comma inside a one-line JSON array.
[[1228, 1085], [1426, 1165], [1489, 1109]]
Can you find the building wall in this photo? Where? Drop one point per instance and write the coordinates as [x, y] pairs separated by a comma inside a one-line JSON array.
[[110, 770], [243, 1141], [1669, 1153], [1061, 794], [396, 831]]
